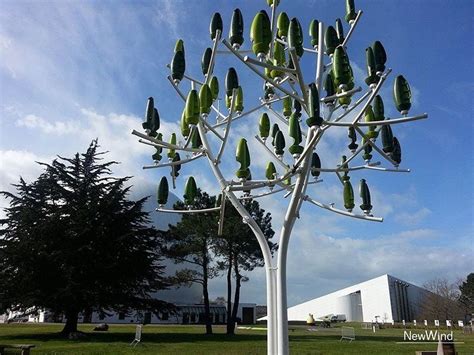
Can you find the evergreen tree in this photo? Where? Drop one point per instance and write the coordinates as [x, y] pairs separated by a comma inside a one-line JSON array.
[[240, 251], [467, 294], [72, 242], [191, 242]]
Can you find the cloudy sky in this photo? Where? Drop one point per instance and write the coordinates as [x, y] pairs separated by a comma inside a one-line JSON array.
[[72, 71]]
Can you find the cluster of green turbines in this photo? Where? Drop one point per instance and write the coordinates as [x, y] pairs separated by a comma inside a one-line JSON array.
[[339, 80]]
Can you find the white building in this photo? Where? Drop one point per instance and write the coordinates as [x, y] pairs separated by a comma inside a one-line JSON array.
[[385, 298]]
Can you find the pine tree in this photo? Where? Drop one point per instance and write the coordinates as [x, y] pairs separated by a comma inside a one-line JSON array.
[[467, 294], [191, 242], [240, 251], [73, 242]]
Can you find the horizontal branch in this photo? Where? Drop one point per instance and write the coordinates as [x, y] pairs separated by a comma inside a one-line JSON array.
[[241, 51], [396, 170], [379, 123], [310, 50], [341, 169], [258, 184], [342, 212], [205, 210], [339, 95], [274, 191], [165, 144], [173, 163], [371, 166]]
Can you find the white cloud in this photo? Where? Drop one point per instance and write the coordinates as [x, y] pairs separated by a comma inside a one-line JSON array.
[[54, 127], [114, 133], [422, 233], [413, 218], [16, 163], [167, 14]]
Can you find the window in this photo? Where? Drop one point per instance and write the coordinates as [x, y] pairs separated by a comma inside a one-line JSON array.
[[164, 316], [121, 316]]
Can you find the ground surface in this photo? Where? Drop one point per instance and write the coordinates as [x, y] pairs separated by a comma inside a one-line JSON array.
[[191, 340]]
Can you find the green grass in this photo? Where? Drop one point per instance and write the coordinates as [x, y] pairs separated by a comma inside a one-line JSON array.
[[163, 339]]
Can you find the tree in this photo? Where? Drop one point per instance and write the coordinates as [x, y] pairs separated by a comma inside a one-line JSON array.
[[240, 251], [191, 242], [311, 106], [73, 242], [442, 302], [467, 294]]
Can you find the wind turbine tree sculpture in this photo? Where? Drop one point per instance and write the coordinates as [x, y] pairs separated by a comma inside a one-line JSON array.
[[310, 108]]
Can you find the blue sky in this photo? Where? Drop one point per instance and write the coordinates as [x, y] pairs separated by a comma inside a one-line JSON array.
[[73, 71]]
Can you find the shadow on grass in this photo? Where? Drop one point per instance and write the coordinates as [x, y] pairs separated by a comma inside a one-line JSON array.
[[146, 337]]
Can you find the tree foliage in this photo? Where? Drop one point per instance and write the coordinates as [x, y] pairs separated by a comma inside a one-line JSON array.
[[467, 294], [73, 242], [442, 301]]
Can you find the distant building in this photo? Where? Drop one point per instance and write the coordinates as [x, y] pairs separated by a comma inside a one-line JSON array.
[[382, 299]]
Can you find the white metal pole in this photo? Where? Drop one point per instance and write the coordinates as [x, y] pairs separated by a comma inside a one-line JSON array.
[[290, 217], [320, 61], [267, 256]]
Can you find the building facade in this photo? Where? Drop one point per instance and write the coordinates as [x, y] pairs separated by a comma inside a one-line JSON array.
[[382, 299]]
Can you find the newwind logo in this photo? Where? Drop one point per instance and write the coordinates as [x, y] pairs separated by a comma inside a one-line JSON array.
[[427, 335]]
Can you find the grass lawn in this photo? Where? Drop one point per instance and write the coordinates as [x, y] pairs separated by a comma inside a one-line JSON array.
[[164, 339]]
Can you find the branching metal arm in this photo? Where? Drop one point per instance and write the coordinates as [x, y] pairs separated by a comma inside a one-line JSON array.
[[299, 77], [339, 95], [268, 66], [264, 77], [345, 213], [350, 108], [246, 113], [210, 69], [279, 161], [353, 26], [162, 144], [227, 129], [370, 166], [173, 163], [388, 121], [205, 210]]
